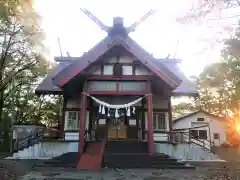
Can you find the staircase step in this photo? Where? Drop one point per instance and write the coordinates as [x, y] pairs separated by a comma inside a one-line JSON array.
[[164, 166], [65, 160], [128, 146], [56, 165], [134, 154]]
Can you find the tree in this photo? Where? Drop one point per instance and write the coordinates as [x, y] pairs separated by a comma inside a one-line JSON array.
[[13, 8], [199, 9], [22, 62], [218, 88], [182, 109]]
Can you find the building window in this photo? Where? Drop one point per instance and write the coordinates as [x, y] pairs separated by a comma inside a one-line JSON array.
[[108, 69], [132, 86], [141, 70], [200, 119], [198, 134], [159, 121], [127, 70], [194, 134], [202, 134], [72, 120], [102, 85], [216, 136]]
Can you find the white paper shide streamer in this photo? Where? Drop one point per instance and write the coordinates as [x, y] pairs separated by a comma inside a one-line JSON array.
[[103, 105]]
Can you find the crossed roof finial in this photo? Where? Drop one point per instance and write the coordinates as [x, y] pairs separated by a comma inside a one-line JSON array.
[[118, 22]]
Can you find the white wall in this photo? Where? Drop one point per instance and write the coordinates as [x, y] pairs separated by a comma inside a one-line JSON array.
[[71, 135], [215, 125], [46, 150], [186, 152]]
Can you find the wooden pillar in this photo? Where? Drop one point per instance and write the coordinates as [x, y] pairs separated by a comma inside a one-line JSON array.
[[62, 118], [150, 121], [142, 111], [170, 117], [82, 122], [90, 119]]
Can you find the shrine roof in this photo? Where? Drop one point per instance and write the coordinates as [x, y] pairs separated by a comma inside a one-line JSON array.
[[76, 67], [186, 87]]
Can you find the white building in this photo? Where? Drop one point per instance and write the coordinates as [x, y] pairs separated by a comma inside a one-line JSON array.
[[204, 126]]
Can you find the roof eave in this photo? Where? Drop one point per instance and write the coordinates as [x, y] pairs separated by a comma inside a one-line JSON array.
[[192, 94], [135, 48], [64, 58], [166, 60], [194, 113], [43, 92], [102, 47]]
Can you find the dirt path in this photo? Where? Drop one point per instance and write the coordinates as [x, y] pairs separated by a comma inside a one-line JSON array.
[[24, 170]]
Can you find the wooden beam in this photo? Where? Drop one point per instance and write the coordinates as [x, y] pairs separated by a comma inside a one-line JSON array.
[[124, 77], [154, 109], [170, 116], [90, 123], [82, 120], [143, 118], [150, 120], [62, 120], [130, 93]]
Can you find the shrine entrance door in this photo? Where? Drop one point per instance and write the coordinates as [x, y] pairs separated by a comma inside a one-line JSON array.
[[117, 130]]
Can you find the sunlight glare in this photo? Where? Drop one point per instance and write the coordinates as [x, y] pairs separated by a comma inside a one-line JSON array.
[[238, 128]]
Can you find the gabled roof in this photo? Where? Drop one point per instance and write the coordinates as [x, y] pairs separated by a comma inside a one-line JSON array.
[[194, 113], [72, 70], [187, 87], [47, 85]]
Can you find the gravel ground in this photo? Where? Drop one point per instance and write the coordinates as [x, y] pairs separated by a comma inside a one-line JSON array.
[[133, 174], [24, 170]]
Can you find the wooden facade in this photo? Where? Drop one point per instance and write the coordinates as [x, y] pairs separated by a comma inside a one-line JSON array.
[[82, 118]]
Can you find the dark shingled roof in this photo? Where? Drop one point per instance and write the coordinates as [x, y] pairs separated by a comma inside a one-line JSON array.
[[187, 87], [47, 85]]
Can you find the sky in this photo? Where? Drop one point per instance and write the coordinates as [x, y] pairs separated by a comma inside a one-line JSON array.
[[193, 42]]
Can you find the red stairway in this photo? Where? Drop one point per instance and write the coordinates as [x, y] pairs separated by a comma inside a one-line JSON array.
[[91, 159]]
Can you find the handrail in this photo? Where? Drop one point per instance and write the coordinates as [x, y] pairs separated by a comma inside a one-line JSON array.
[[193, 137], [185, 137], [28, 141], [29, 136], [85, 138], [86, 134], [190, 128], [204, 143]]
